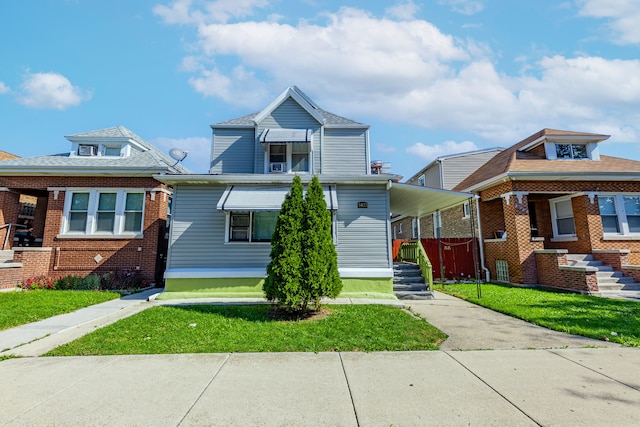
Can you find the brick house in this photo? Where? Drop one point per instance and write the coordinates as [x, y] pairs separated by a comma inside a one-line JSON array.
[[553, 211], [97, 208]]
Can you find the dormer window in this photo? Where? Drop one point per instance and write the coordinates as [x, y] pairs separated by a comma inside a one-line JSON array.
[[87, 150], [571, 151], [112, 150]]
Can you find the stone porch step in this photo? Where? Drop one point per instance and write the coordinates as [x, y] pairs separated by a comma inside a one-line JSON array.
[[6, 256], [408, 282], [609, 280]]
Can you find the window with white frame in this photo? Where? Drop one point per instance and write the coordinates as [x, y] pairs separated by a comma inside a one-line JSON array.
[[571, 151], [422, 180], [252, 226], [562, 214], [100, 150], [437, 224], [103, 212], [466, 210], [289, 157], [620, 214], [414, 228]]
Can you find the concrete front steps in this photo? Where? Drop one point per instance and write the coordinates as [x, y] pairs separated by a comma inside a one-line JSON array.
[[408, 282], [610, 282]]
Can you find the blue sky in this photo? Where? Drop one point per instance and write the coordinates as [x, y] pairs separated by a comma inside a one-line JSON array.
[[430, 77]]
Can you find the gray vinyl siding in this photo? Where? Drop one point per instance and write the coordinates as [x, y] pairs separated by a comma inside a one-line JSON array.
[[345, 151], [233, 151], [198, 229], [432, 176], [362, 233], [289, 115], [197, 234], [456, 169]]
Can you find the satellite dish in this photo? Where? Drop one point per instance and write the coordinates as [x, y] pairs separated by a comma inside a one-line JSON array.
[[178, 154]]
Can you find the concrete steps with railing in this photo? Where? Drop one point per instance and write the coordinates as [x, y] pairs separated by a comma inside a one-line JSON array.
[[610, 281], [408, 282]]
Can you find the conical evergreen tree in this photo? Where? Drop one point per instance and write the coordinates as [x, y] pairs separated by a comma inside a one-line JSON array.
[[284, 274], [320, 259]]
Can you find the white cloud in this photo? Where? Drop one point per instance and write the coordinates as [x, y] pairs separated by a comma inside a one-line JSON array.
[[431, 152], [465, 7], [221, 11], [4, 89], [198, 147], [50, 91], [410, 72], [404, 11], [623, 17]]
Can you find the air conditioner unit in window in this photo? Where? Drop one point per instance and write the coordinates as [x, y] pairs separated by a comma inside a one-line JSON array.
[[276, 167], [87, 150]]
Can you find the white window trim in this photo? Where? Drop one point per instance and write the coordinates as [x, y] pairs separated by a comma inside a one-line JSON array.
[[288, 163], [554, 217], [414, 228], [125, 149], [422, 180], [622, 216], [119, 220], [437, 224], [227, 230], [592, 150], [466, 213]]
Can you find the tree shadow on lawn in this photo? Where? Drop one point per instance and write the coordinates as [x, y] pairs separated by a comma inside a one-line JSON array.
[[254, 312]]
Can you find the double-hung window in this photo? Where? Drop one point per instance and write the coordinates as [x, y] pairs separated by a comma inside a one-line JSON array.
[[562, 214], [289, 157], [252, 226], [620, 214], [108, 212]]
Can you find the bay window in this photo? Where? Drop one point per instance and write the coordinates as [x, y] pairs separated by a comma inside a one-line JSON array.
[[105, 212]]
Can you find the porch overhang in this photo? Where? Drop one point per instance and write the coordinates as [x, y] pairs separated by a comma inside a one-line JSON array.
[[417, 201], [240, 198]]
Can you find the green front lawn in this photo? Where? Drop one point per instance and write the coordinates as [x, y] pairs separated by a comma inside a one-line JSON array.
[[594, 317], [20, 307], [222, 329]]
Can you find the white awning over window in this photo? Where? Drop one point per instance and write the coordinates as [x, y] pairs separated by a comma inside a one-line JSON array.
[[269, 136], [262, 198]]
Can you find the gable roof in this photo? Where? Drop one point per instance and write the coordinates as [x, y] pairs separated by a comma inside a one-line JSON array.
[[145, 159], [517, 162], [322, 116], [7, 156]]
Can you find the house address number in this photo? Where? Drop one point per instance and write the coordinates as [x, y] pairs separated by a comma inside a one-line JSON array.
[[363, 205]]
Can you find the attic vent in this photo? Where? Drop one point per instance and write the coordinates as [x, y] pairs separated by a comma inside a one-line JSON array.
[[87, 150]]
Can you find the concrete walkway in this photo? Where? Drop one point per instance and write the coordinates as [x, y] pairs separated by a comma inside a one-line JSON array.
[[553, 385]]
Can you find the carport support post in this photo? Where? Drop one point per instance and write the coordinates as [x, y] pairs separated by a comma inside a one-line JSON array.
[[439, 237], [475, 249]]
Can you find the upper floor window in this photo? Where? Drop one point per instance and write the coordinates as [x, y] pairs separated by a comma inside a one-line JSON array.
[[100, 150], [422, 180], [620, 214], [103, 212], [571, 151], [289, 157]]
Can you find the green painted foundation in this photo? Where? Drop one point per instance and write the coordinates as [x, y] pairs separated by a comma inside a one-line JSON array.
[[375, 288]]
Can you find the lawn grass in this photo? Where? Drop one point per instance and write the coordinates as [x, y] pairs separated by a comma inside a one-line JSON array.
[[250, 328], [20, 307], [589, 316]]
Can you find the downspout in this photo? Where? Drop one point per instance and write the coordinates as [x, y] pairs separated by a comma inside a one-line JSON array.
[[480, 245]]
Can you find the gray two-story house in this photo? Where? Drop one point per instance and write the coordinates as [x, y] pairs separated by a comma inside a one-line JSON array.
[[222, 222]]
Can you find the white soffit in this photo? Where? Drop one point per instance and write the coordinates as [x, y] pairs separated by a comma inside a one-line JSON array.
[[417, 201]]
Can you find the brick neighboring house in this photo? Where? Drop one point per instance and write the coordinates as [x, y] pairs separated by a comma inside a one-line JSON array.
[[552, 199], [97, 208], [445, 172]]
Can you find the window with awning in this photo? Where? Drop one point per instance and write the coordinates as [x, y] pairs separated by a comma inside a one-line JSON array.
[[288, 150]]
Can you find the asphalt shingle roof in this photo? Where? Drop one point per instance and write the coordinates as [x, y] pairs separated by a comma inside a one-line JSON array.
[[513, 160], [149, 158]]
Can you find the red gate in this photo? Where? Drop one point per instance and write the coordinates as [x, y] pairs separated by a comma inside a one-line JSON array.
[[457, 256]]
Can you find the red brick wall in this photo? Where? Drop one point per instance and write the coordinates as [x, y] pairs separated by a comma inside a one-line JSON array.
[[9, 203], [77, 256], [550, 274], [35, 262]]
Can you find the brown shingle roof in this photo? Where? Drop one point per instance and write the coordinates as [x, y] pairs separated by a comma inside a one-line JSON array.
[[7, 156], [513, 161]]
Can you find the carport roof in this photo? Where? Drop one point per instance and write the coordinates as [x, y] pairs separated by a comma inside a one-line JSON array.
[[417, 201]]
